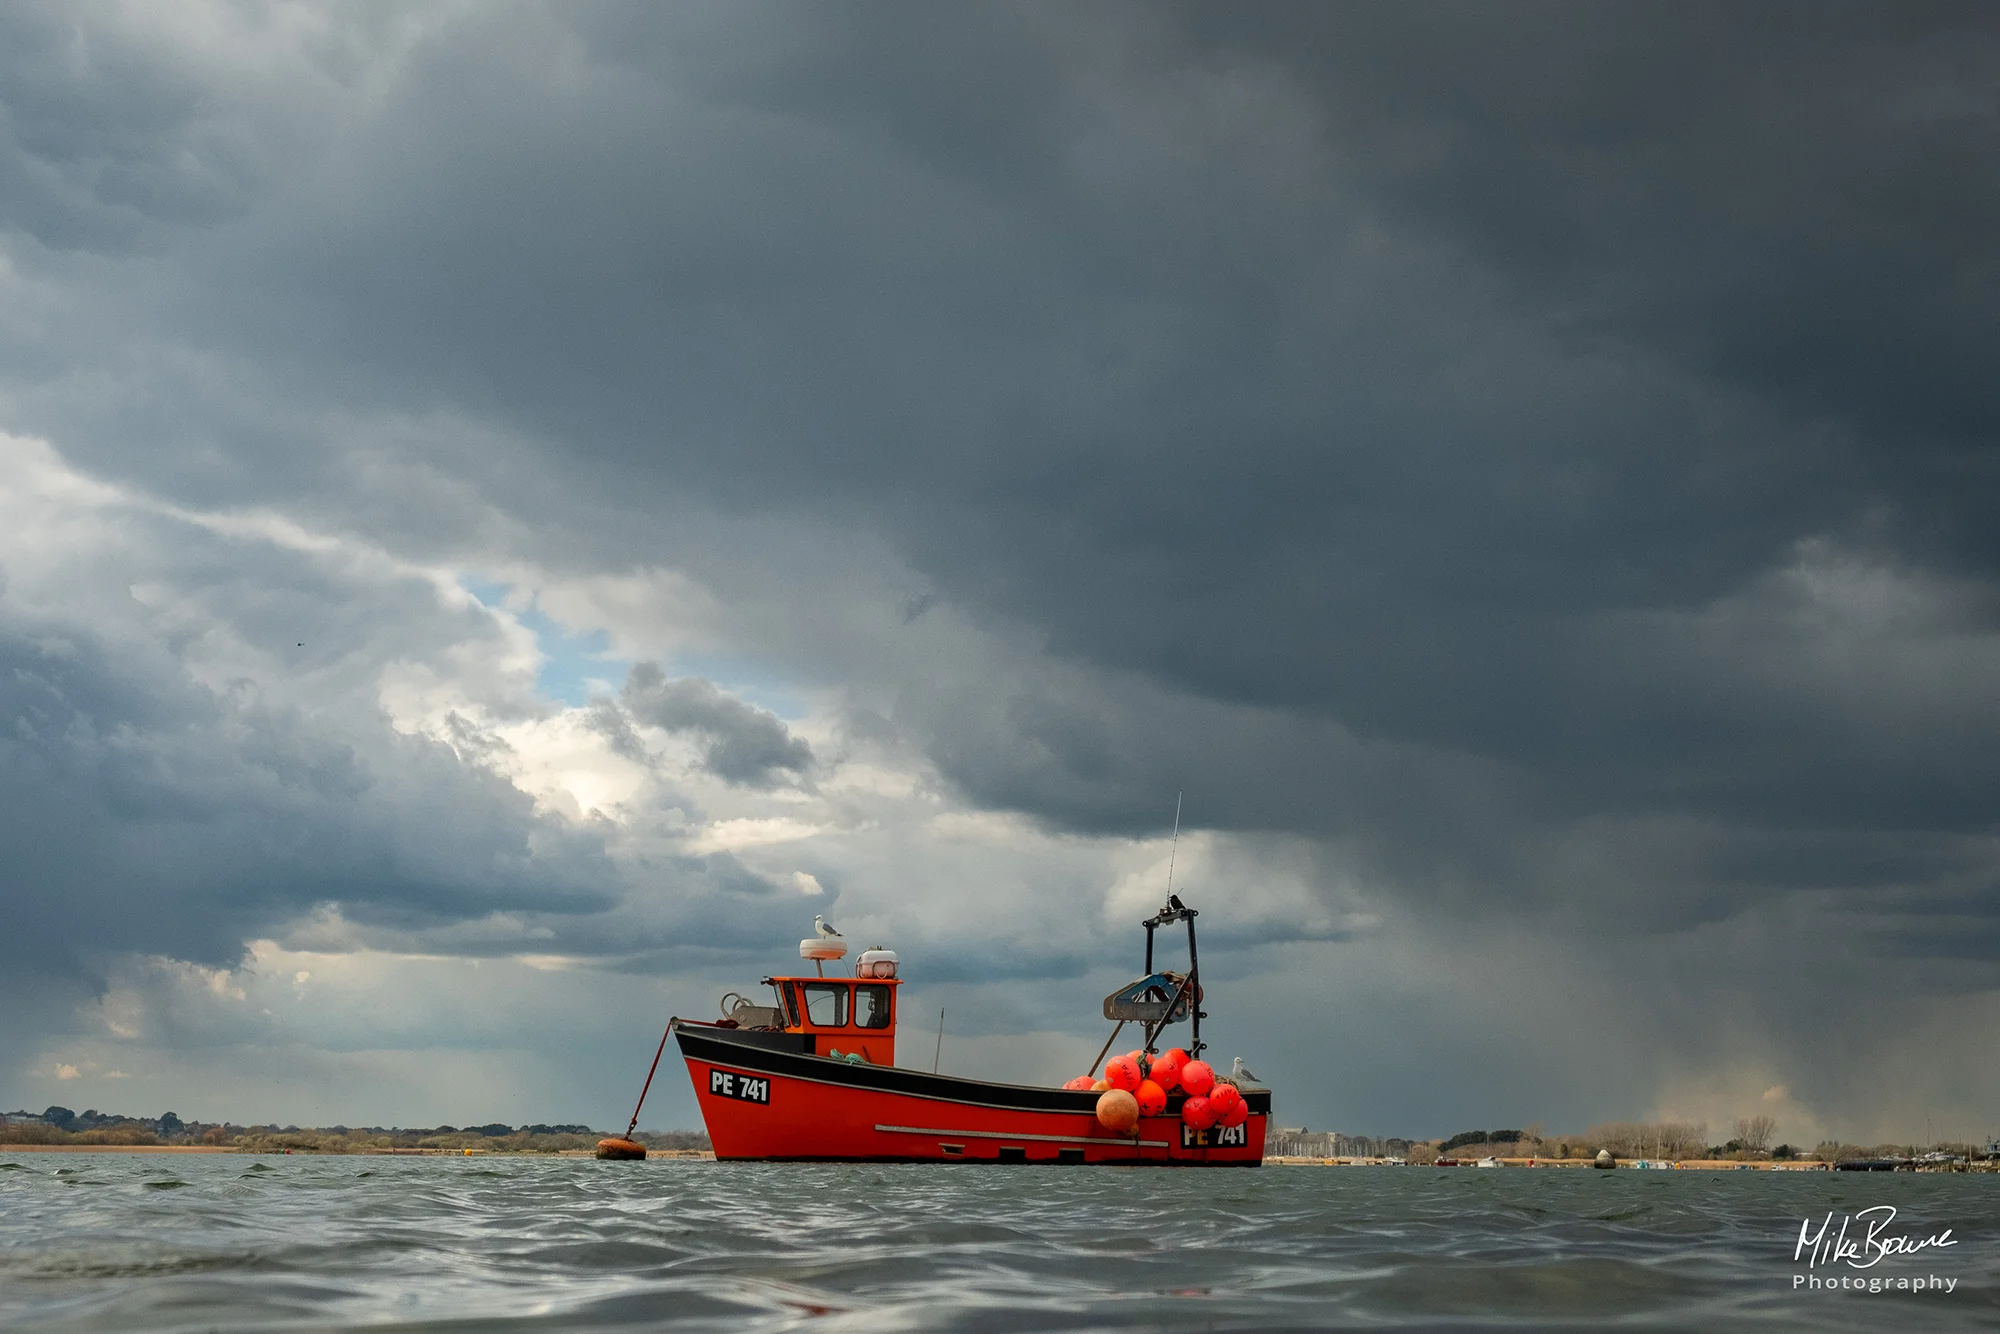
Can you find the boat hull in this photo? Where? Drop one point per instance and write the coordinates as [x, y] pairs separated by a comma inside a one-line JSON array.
[[761, 1102]]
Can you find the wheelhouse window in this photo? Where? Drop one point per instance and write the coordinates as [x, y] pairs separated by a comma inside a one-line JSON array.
[[873, 1007], [826, 1004]]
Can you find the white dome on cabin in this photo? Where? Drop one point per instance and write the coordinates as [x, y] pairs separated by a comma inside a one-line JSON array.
[[816, 947], [876, 963]]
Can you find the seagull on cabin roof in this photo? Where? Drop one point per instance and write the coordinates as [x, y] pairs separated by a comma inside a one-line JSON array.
[[825, 932]]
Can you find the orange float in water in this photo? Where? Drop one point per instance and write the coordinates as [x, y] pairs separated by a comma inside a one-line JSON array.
[[1197, 1077], [1122, 1072], [1081, 1082], [1117, 1111], [1197, 1113], [1224, 1098], [1166, 1071], [1152, 1098]]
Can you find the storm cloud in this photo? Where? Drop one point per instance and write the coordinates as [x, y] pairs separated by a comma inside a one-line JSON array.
[[1527, 473], [741, 743]]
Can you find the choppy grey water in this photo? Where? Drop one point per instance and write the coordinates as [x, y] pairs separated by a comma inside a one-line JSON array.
[[226, 1242]]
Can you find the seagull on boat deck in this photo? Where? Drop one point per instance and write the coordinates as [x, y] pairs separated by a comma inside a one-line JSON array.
[[1242, 1072], [825, 932]]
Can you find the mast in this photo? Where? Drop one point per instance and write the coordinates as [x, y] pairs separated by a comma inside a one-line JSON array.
[[1190, 987]]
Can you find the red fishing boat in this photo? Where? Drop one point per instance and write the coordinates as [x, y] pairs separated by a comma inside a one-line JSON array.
[[813, 1077]]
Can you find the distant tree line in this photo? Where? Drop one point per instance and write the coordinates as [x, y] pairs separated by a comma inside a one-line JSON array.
[[1284, 1142], [1465, 1137], [60, 1125]]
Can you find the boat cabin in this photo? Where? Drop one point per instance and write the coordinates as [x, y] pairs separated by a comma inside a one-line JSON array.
[[840, 1016]]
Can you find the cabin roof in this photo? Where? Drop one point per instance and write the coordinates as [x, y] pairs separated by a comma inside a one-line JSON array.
[[854, 981]]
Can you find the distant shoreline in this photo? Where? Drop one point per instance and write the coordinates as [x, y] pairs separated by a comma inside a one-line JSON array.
[[705, 1155], [1624, 1164], [1688, 1164], [7, 1149]]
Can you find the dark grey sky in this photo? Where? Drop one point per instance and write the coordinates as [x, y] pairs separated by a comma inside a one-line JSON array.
[[1527, 472]]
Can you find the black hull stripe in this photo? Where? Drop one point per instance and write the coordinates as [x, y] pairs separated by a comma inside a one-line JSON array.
[[710, 1046]]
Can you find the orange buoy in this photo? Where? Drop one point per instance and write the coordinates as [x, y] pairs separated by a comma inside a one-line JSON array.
[[1117, 1111], [1198, 1077], [1122, 1072], [1166, 1071], [1224, 1098], [1099, 1085], [1152, 1099], [1197, 1114], [620, 1148], [1238, 1113], [1081, 1082], [1178, 1055]]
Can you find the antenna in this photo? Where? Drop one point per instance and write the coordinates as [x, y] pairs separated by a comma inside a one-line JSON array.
[[1174, 851]]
